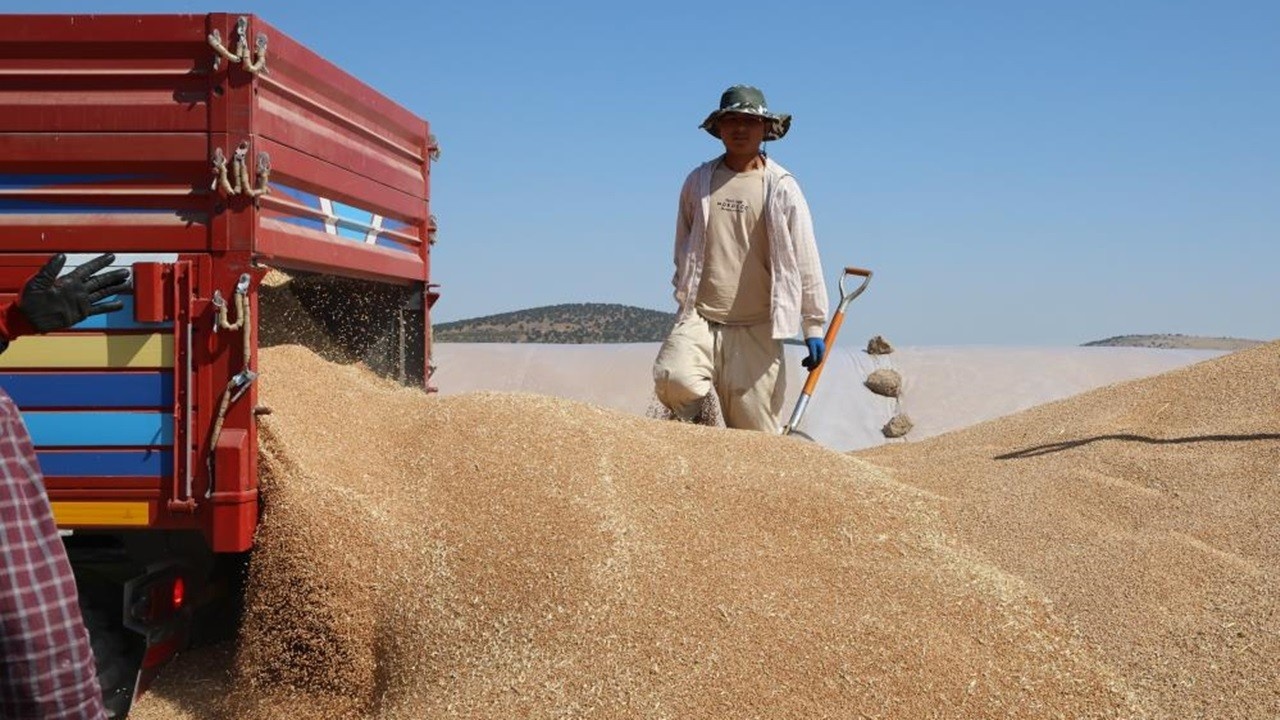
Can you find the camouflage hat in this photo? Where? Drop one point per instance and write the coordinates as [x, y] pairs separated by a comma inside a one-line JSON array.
[[748, 101]]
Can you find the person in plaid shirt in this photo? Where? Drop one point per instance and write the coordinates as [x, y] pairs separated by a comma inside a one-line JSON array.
[[47, 670]]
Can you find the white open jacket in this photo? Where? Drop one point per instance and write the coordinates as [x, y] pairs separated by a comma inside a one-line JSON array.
[[799, 295]]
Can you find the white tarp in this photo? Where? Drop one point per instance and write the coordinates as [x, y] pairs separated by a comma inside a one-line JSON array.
[[943, 388]]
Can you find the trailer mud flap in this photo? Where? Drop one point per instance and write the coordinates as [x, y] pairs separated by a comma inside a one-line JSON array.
[[235, 503]]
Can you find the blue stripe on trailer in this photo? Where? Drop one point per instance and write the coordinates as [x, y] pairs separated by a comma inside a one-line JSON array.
[[394, 245], [119, 320], [89, 389], [20, 206], [122, 429], [107, 463], [31, 181]]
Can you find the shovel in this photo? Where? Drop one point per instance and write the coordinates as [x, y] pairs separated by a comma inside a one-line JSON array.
[[830, 340]]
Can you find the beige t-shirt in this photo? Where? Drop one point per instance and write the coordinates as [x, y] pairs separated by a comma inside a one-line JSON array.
[[736, 283]]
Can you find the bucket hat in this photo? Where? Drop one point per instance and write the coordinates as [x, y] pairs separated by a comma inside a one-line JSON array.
[[748, 100]]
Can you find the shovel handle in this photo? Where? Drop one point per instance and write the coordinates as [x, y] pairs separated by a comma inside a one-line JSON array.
[[829, 339], [845, 296], [837, 320]]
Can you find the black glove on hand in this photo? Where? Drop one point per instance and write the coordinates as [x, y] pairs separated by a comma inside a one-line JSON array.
[[53, 303]]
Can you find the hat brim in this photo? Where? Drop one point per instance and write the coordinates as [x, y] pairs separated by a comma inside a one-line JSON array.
[[775, 128]]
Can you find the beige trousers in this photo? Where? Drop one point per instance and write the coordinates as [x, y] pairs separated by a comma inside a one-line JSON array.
[[742, 362]]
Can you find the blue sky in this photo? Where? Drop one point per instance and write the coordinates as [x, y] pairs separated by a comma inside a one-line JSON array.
[[1015, 173]]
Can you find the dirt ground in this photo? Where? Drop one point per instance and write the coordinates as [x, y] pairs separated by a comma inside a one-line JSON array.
[[1114, 554]]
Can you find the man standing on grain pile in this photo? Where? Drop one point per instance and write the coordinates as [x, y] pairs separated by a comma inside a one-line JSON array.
[[47, 670], [747, 274]]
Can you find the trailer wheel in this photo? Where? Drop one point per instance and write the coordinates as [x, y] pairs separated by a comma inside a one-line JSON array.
[[117, 669]]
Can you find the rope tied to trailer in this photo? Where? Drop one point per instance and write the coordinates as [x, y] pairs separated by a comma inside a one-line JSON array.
[[264, 176], [242, 309], [239, 384], [221, 177], [242, 54], [236, 180]]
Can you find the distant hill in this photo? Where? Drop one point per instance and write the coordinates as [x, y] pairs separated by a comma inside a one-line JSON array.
[[574, 323], [594, 323], [1176, 342]]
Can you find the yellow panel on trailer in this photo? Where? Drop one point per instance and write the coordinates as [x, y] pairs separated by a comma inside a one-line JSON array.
[[90, 351]]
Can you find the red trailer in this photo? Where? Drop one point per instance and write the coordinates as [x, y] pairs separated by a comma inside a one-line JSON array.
[[202, 150]]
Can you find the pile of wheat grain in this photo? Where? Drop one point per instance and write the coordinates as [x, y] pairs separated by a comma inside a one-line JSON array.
[[498, 555], [1148, 513]]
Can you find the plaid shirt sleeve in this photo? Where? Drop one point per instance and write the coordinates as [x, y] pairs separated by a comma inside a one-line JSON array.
[[47, 670]]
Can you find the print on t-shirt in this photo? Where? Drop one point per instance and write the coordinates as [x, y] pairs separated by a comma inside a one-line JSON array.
[[736, 283]]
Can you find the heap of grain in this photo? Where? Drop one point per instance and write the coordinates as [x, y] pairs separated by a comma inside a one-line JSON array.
[[1148, 513], [514, 555], [507, 555]]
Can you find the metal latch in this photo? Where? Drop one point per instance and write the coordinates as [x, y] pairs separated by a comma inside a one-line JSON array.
[[241, 382]]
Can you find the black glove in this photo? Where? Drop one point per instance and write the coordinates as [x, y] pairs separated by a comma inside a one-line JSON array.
[[53, 303]]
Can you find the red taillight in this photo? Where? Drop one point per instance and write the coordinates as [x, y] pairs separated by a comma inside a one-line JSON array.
[[179, 592], [162, 600]]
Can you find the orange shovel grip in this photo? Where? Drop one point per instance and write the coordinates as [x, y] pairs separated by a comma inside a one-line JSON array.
[[829, 340]]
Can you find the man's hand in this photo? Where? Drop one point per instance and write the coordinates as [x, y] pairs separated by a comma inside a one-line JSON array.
[[53, 303], [817, 349]]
